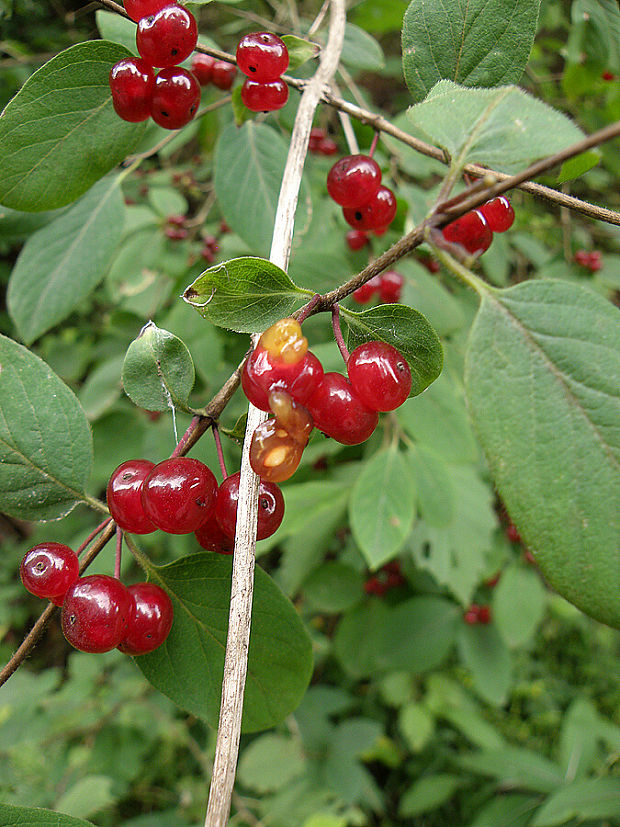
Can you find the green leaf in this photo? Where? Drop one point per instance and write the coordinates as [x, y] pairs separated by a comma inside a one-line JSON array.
[[37, 817], [579, 738], [245, 294], [437, 497], [249, 163], [60, 133], [417, 725], [519, 602], [360, 50], [578, 166], [503, 128], [507, 809], [593, 798], [543, 385], [484, 653], [478, 43], [64, 261], [423, 291], [515, 767], [87, 796], [270, 762], [359, 637], [334, 587], [188, 667], [404, 328], [158, 372], [117, 29], [45, 440], [299, 50], [447, 699], [381, 507], [429, 793], [102, 388]]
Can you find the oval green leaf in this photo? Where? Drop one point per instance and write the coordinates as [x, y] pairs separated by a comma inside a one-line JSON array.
[[188, 667], [60, 133], [45, 441], [485, 654], [37, 817], [543, 385], [299, 50]]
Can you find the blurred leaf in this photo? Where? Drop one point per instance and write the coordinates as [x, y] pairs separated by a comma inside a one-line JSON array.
[[519, 602], [429, 793], [579, 738], [102, 388], [334, 587], [270, 762], [484, 653], [594, 798], [359, 637], [416, 725], [117, 29], [447, 699], [36, 817], [436, 494], [87, 796], [360, 50], [425, 292], [515, 767], [418, 634], [507, 809], [578, 166]]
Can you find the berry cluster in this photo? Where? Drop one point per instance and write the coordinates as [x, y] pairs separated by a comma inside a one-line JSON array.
[[320, 143], [98, 612], [388, 577], [209, 69], [354, 182], [592, 261], [166, 35], [283, 377], [477, 614], [388, 286], [474, 230], [175, 228], [263, 58]]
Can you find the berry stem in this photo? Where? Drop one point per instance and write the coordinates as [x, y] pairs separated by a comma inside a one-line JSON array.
[[373, 145], [459, 270], [308, 308], [119, 553], [220, 452], [92, 535], [455, 202], [338, 332], [179, 451]]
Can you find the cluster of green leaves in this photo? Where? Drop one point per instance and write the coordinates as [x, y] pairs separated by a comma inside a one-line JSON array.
[[411, 713]]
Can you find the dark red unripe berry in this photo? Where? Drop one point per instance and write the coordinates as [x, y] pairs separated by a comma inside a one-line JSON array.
[[262, 56], [512, 532], [328, 146], [338, 411], [264, 97], [132, 83], [356, 239], [49, 570], [179, 495], [95, 612], [471, 231], [202, 67], [263, 373], [168, 37], [317, 134], [137, 9], [212, 538], [354, 180], [484, 614], [379, 375], [607, 75], [390, 286], [270, 507], [176, 98], [223, 74], [499, 214], [471, 617], [124, 495], [365, 293], [378, 212], [149, 620]]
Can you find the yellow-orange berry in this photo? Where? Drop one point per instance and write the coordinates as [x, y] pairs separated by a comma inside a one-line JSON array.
[[284, 341]]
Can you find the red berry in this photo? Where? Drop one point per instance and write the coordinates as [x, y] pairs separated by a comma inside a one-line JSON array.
[[202, 67], [471, 616], [274, 454], [338, 411], [328, 146], [168, 37], [374, 586], [132, 83], [354, 180], [176, 98], [365, 293], [356, 239], [499, 214], [270, 507], [179, 495], [390, 286], [316, 136], [594, 261], [379, 211], [49, 570], [484, 614], [471, 231], [176, 233], [262, 56], [137, 9], [607, 75], [212, 538], [124, 494], [262, 374], [264, 97], [149, 620], [379, 375], [512, 532], [223, 74], [95, 612]]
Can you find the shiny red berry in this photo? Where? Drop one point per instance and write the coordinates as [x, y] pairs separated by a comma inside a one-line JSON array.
[[223, 74], [270, 507], [132, 83], [211, 537], [179, 495], [499, 214], [471, 231], [262, 56], [149, 620], [390, 286], [176, 97], [354, 180], [95, 612], [356, 239], [202, 68], [264, 97], [49, 570], [167, 37], [263, 373], [379, 375], [365, 293], [339, 412], [137, 9], [378, 212], [124, 495]]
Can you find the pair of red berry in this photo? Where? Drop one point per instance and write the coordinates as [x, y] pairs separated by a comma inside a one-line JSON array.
[[263, 58], [388, 577], [283, 377], [354, 182], [98, 612], [592, 261], [320, 143], [388, 286], [477, 614], [209, 69], [474, 230]]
